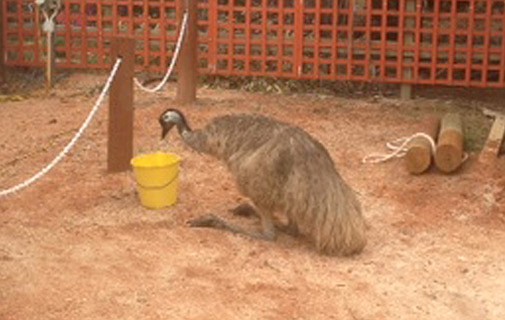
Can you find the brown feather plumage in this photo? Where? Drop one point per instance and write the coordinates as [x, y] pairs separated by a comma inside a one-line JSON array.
[[281, 168]]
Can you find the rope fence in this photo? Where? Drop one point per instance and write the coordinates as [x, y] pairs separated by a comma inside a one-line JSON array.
[[48, 27], [72, 142], [170, 68]]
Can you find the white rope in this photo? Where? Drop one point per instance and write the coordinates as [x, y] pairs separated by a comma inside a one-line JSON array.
[[72, 143], [398, 148], [170, 69]]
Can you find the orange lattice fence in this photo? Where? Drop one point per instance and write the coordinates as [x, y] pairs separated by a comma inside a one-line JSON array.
[[444, 42]]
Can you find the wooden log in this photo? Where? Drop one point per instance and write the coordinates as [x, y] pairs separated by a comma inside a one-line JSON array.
[[419, 154], [449, 154]]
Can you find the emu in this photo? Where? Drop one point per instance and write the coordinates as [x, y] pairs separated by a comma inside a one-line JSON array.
[[281, 169]]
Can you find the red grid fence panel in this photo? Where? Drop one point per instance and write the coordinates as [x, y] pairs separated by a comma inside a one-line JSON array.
[[436, 42], [85, 28], [254, 38]]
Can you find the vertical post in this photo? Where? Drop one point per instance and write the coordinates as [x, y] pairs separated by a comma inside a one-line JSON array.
[[298, 46], [2, 49], [50, 9], [187, 66], [120, 143], [409, 39], [50, 63]]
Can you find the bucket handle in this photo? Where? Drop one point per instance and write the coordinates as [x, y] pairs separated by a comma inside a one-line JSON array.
[[163, 186]]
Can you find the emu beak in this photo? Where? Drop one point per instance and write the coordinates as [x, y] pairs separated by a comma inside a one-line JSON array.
[[166, 127]]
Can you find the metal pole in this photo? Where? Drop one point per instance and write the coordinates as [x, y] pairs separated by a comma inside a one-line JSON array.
[[120, 143], [187, 67]]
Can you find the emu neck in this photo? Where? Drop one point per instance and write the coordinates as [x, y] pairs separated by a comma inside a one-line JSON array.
[[196, 140], [185, 132], [182, 127]]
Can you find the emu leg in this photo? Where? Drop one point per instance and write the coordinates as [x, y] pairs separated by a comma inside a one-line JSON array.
[[290, 228], [213, 221], [247, 210]]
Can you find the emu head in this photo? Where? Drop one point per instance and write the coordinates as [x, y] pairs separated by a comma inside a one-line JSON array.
[[170, 118]]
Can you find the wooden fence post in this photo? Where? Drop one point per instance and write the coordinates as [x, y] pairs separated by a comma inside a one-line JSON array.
[[120, 143], [187, 66], [51, 59], [50, 10]]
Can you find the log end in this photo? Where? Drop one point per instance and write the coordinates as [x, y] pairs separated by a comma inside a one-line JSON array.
[[449, 153], [418, 159], [448, 158]]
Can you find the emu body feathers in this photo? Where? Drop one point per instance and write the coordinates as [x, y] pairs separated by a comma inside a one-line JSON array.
[[281, 168]]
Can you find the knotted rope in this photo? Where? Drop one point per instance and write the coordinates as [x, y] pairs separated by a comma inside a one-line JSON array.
[[399, 148]]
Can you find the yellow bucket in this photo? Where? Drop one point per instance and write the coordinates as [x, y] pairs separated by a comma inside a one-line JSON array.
[[157, 178]]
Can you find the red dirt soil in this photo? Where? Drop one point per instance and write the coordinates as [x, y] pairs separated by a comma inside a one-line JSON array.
[[78, 244]]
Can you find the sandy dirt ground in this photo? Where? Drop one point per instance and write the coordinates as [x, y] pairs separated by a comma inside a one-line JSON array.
[[78, 245]]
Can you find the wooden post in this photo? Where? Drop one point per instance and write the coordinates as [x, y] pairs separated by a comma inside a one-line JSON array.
[[51, 59], [2, 49], [449, 154], [419, 154], [120, 143], [409, 39], [187, 66], [50, 9]]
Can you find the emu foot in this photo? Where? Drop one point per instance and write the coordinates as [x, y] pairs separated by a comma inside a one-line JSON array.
[[208, 221], [244, 210], [213, 221], [248, 211]]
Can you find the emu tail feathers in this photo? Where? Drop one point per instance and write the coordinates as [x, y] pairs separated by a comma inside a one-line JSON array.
[[339, 228]]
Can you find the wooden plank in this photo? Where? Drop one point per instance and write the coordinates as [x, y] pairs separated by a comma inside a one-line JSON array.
[[496, 136], [120, 142], [494, 143]]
